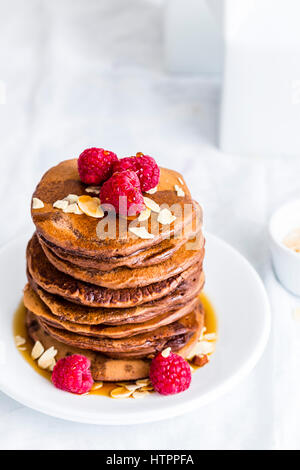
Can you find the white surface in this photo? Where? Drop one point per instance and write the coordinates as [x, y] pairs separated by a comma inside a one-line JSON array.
[[261, 105], [286, 262], [193, 37], [89, 73], [250, 323]]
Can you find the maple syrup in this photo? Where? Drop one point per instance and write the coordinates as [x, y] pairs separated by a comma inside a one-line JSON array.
[[19, 329]]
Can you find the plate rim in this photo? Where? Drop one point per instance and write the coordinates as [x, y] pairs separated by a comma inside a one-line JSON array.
[[180, 408]]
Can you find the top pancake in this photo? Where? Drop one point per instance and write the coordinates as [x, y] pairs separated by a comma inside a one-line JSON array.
[[77, 233]]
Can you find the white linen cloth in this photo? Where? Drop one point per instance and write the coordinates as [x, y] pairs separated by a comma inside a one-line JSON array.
[[79, 74]]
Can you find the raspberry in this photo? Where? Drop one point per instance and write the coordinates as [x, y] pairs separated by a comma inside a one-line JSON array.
[[95, 165], [171, 374], [120, 184], [144, 166], [72, 374]]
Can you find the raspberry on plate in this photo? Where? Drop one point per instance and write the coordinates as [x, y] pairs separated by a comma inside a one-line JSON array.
[[95, 165], [123, 191], [144, 166], [170, 373], [72, 374]]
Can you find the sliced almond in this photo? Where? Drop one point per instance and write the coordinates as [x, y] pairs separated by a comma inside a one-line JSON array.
[[71, 198], [91, 206], [141, 232], [180, 181], [61, 204], [20, 340], [296, 314], [152, 191], [144, 215], [138, 394], [37, 350], [92, 189], [52, 365], [165, 217], [147, 388], [143, 382], [132, 387], [120, 392], [37, 203], [47, 357], [210, 337], [73, 209], [204, 347], [179, 191], [166, 352], [151, 204], [97, 385]]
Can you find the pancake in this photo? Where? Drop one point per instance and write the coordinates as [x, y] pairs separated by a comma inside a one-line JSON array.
[[103, 367], [122, 278], [84, 315], [140, 345], [149, 257], [45, 275], [33, 303], [77, 233]]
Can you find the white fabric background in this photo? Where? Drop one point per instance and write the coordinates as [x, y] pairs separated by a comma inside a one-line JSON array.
[[82, 73]]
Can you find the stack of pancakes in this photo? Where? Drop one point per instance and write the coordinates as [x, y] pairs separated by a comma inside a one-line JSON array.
[[119, 300]]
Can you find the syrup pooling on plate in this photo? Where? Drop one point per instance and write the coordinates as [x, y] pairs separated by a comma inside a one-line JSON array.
[[19, 330]]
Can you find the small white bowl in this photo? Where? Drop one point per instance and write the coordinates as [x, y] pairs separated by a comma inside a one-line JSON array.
[[286, 262]]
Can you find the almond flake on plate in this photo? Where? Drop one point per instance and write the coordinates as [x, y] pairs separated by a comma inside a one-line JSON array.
[[71, 198], [132, 387], [143, 382], [20, 340], [46, 359], [152, 191], [165, 217], [61, 204], [73, 209], [141, 232], [91, 206], [139, 394], [97, 385], [120, 392], [151, 204], [144, 215], [93, 189], [37, 350], [37, 203]]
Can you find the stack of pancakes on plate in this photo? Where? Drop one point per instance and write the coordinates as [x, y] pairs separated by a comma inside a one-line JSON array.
[[118, 300]]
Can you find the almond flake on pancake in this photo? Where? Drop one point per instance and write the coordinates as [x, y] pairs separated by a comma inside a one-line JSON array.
[[151, 204], [166, 352], [46, 359], [93, 189], [73, 209], [180, 181], [71, 198], [37, 350], [37, 203], [179, 191], [144, 215], [120, 392], [210, 337], [141, 232], [52, 365], [152, 191], [20, 340], [91, 206], [60, 204], [165, 217]]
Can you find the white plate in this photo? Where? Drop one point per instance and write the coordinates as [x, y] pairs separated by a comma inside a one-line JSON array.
[[242, 307]]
